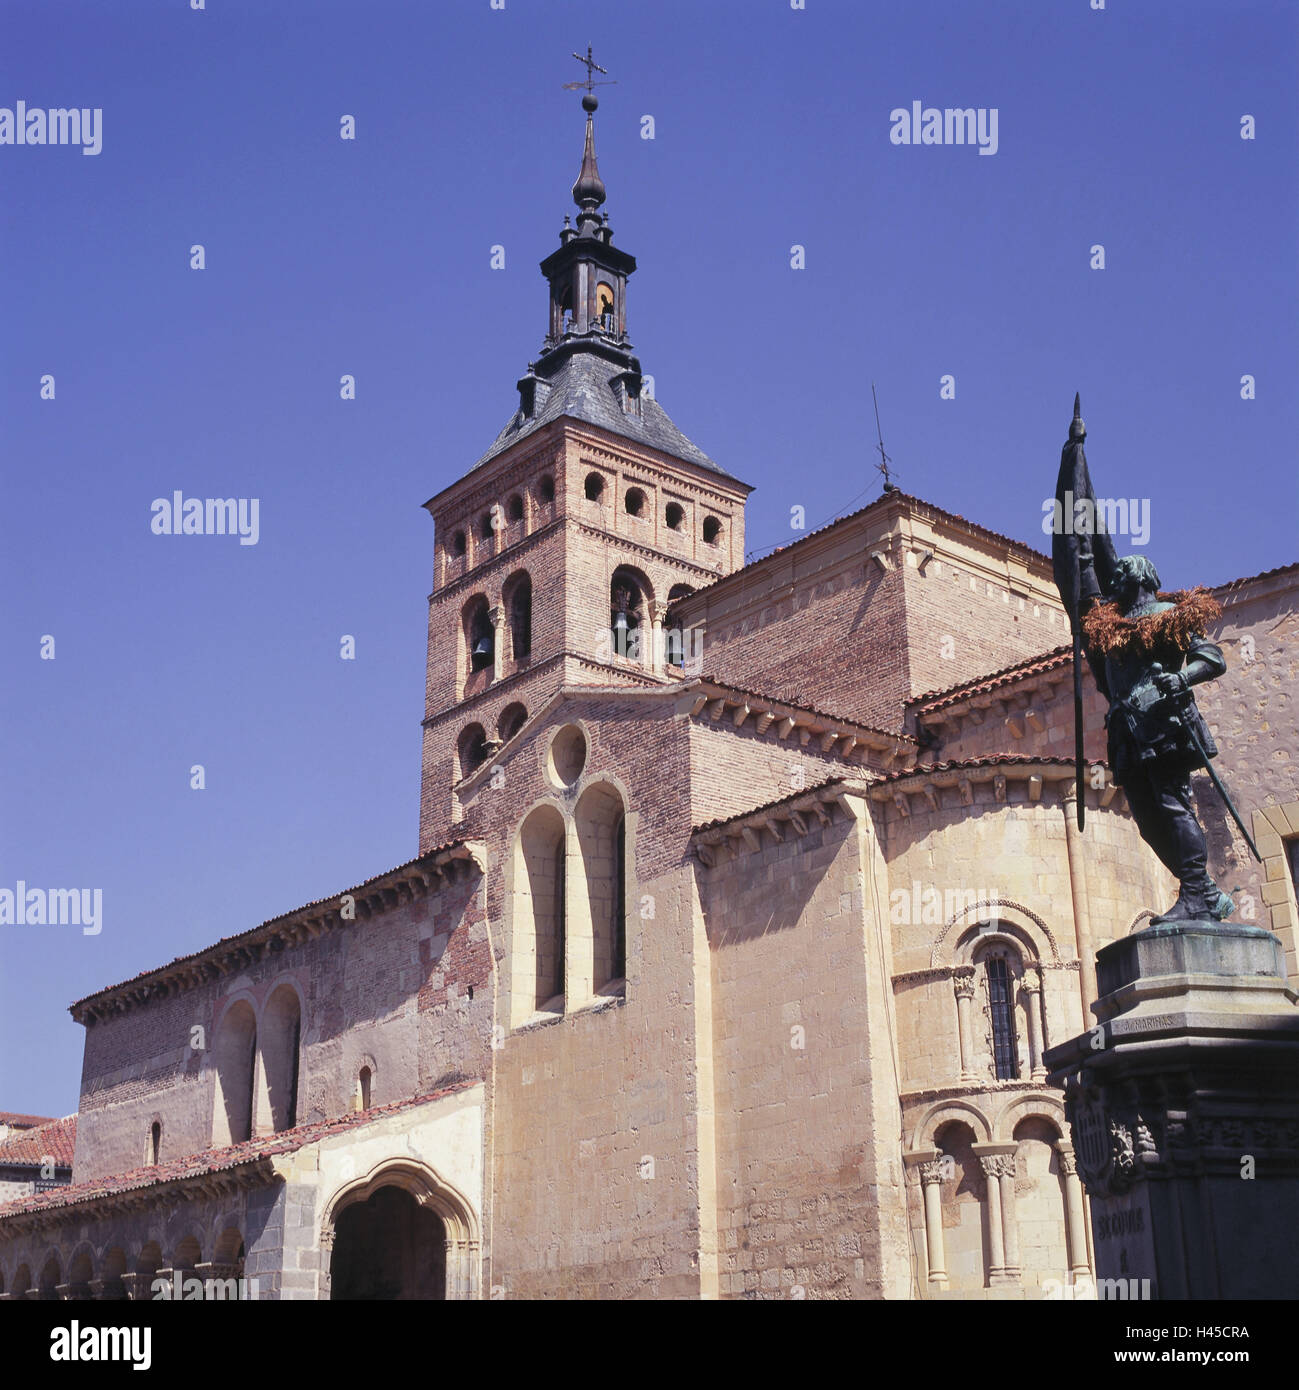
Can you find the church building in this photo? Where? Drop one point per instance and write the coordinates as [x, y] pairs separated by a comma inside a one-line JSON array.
[[748, 899]]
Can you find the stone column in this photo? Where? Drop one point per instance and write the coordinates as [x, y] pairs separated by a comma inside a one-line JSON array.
[[996, 1247], [497, 615], [963, 984], [1075, 1221], [1009, 1223], [998, 1164], [929, 1163], [655, 658], [326, 1246], [1185, 1119], [1031, 988]]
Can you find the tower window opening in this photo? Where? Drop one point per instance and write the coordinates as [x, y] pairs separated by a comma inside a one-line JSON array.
[[155, 1142], [363, 1088], [515, 508], [473, 749], [635, 501], [675, 516], [485, 528], [458, 543], [1001, 1008], [712, 529], [674, 633], [594, 487], [546, 489], [518, 605], [481, 636], [628, 603]]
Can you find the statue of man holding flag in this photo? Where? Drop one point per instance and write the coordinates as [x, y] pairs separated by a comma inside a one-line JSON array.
[[1146, 649]]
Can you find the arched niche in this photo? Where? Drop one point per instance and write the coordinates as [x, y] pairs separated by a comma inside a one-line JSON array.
[[539, 912], [235, 1057]]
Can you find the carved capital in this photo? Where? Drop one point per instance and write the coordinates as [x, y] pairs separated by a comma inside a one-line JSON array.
[[997, 1165]]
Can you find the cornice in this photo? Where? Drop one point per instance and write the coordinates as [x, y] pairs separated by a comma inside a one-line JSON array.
[[419, 878]]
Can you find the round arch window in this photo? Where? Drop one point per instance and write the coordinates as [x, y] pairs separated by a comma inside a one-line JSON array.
[[567, 756]]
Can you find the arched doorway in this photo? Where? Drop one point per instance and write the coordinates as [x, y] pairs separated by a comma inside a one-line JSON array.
[[400, 1234], [388, 1247]]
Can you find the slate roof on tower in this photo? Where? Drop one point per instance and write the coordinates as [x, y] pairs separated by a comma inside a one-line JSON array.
[[583, 388]]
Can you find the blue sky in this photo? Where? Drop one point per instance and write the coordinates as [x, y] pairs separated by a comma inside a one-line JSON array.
[[372, 257]]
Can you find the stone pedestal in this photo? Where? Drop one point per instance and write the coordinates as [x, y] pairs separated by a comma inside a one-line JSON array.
[[1184, 1107]]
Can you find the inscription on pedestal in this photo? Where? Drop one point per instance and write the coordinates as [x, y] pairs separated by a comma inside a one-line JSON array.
[[1125, 1247]]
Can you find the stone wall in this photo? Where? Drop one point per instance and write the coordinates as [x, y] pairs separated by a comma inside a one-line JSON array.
[[809, 1190]]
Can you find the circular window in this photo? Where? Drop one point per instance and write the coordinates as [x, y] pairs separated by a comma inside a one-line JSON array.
[[567, 756]]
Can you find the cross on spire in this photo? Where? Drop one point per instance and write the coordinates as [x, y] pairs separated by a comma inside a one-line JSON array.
[[591, 67]]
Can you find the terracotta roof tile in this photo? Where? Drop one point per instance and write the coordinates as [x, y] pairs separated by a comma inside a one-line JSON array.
[[991, 760], [16, 1121], [54, 1139], [1031, 666], [214, 1160], [767, 805]]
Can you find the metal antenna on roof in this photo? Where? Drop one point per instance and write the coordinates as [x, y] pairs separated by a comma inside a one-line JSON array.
[[883, 464]]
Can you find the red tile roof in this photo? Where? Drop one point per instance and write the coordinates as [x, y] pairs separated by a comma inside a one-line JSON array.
[[1031, 666], [54, 1139], [214, 1160], [1058, 656], [800, 702], [767, 805], [1250, 578], [991, 760], [16, 1121]]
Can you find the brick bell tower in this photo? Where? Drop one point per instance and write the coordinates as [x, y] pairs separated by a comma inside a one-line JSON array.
[[557, 554]]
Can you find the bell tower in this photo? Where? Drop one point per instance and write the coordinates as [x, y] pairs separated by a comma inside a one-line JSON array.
[[558, 554]]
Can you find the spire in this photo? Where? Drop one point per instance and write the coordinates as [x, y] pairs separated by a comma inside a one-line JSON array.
[[1077, 430], [588, 191]]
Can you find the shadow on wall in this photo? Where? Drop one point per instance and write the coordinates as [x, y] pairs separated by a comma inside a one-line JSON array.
[[781, 903]]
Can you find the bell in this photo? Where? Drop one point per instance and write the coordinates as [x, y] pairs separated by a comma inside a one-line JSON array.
[[620, 629], [483, 647]]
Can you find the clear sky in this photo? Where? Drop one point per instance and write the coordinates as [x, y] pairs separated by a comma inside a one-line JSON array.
[[1119, 127]]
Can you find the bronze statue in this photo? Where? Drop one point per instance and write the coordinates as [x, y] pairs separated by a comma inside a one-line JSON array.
[[1146, 649]]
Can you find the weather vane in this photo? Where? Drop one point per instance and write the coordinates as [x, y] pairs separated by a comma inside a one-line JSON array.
[[591, 67]]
